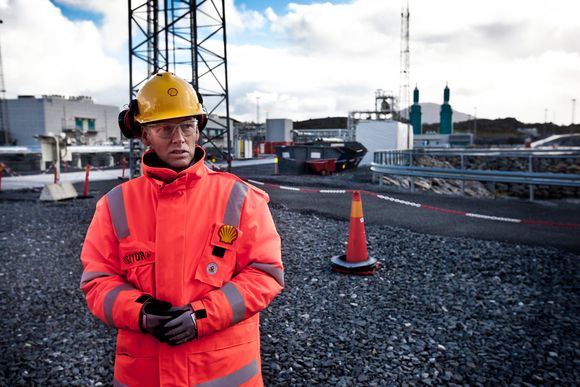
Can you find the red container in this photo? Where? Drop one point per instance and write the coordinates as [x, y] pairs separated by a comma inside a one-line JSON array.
[[322, 167], [270, 146]]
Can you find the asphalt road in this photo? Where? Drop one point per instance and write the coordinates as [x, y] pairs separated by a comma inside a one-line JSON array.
[[405, 217], [433, 222]]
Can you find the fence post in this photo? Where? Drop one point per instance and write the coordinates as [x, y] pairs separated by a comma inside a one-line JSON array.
[[531, 169], [1, 173], [410, 165], [462, 171], [123, 165], [86, 185]]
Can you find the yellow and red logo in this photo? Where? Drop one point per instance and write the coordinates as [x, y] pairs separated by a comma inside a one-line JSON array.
[[228, 234]]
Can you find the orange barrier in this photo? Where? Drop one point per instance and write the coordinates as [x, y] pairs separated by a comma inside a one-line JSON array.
[[356, 260], [86, 186], [123, 165]]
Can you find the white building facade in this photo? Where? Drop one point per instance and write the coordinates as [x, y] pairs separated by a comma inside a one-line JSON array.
[[378, 135], [83, 121]]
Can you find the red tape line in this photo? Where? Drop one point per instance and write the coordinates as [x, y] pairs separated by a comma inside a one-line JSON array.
[[428, 207]]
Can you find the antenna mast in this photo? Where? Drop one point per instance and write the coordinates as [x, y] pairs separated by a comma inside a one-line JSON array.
[[4, 125], [405, 64]]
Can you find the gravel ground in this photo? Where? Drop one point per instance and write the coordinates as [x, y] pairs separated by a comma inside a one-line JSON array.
[[440, 311]]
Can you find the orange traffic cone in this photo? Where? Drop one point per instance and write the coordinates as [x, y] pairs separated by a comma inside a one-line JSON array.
[[356, 260]]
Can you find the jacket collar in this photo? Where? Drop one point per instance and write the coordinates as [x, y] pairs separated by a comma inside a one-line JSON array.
[[156, 169]]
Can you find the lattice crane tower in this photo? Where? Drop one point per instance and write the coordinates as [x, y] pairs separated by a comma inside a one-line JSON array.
[[187, 38], [404, 98]]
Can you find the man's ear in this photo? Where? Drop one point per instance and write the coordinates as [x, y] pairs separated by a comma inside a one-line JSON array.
[[145, 137]]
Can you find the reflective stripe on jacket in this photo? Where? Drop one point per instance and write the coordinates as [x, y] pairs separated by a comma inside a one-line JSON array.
[[196, 237]]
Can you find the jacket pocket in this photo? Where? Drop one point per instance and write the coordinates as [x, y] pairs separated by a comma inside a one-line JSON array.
[[232, 366], [218, 260], [135, 360], [137, 260]]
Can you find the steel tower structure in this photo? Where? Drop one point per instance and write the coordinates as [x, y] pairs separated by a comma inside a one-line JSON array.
[[404, 64], [187, 38]]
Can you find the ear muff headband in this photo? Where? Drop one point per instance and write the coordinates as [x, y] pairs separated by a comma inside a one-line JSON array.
[[131, 128], [199, 97], [127, 123], [202, 118]]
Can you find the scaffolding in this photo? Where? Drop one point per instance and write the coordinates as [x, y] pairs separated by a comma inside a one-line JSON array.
[[386, 108], [187, 38]]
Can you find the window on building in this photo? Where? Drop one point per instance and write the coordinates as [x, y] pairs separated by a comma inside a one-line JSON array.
[[85, 124], [78, 123]]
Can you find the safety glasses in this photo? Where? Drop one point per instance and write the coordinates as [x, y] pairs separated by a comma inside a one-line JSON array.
[[166, 131]]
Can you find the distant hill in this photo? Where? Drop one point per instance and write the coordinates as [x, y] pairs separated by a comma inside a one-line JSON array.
[[505, 130], [322, 123], [498, 131], [429, 115]]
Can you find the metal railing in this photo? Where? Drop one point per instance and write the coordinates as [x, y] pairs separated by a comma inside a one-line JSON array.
[[403, 163]]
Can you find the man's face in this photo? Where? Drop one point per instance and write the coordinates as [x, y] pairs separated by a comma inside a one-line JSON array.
[[172, 140]]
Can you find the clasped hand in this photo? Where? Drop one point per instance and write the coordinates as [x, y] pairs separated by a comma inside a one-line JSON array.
[[171, 325]]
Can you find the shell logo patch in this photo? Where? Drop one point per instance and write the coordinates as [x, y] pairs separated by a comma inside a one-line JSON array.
[[172, 91], [228, 234], [211, 268]]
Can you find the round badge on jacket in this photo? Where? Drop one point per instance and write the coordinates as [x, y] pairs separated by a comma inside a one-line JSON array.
[[211, 268]]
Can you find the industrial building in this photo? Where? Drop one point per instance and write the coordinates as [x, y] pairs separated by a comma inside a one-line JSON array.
[[83, 121]]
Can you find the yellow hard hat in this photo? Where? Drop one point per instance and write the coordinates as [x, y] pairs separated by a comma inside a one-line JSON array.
[[165, 96]]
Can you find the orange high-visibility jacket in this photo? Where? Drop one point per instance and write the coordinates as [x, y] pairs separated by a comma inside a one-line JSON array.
[[195, 237]]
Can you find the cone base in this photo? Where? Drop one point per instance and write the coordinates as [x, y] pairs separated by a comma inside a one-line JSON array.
[[368, 267]]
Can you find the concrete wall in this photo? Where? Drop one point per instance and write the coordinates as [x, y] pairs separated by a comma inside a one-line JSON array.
[[25, 119], [39, 116], [63, 113]]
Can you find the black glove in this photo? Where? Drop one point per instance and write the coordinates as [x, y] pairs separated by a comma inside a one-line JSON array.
[[153, 315], [180, 329]]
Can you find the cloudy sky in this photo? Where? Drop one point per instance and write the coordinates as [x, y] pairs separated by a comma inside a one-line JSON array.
[[308, 59]]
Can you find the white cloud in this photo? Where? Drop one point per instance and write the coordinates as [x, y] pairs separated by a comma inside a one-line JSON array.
[[240, 20], [114, 27], [512, 58], [45, 53], [491, 53]]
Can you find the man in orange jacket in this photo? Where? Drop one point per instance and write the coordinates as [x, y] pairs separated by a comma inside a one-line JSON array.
[[182, 259]]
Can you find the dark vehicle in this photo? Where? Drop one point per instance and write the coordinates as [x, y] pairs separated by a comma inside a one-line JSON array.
[[558, 141], [302, 158]]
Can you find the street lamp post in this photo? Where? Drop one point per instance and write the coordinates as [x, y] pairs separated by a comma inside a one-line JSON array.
[[474, 121], [57, 163], [257, 111]]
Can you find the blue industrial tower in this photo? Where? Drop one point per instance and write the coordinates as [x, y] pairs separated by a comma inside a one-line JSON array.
[[446, 114], [416, 113]]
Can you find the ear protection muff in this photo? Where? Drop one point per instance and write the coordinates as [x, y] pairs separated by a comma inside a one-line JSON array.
[[127, 123], [202, 118]]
